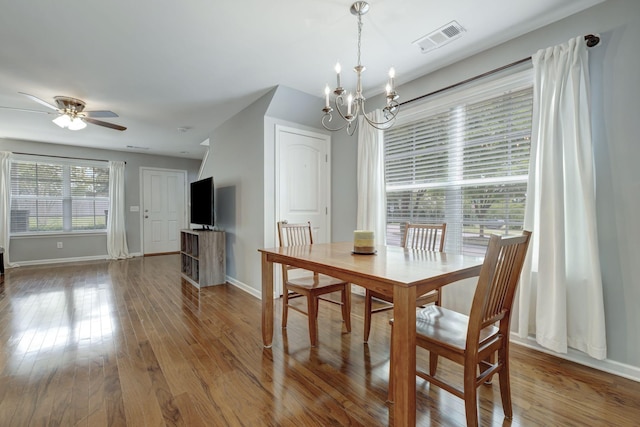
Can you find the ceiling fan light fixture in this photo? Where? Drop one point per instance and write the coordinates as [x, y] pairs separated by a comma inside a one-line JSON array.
[[63, 121], [77, 124], [66, 122], [72, 115]]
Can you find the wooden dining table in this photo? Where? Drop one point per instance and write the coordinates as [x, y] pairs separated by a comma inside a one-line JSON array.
[[394, 271]]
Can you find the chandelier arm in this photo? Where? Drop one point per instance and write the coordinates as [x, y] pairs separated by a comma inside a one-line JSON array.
[[327, 127], [391, 111], [382, 125], [384, 122], [338, 102], [349, 117]]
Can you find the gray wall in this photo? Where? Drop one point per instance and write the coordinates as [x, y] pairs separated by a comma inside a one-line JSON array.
[[236, 163], [615, 84], [241, 161], [92, 245]]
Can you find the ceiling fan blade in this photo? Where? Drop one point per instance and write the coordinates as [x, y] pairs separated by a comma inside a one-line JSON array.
[[105, 124], [28, 111], [40, 101], [104, 113]]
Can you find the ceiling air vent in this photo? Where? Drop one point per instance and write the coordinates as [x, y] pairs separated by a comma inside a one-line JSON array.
[[440, 37]]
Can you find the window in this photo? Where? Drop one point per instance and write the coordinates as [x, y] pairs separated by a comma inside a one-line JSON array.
[[462, 160], [55, 195]]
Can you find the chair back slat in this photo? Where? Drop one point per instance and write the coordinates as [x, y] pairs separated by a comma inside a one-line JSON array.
[[293, 235], [496, 299], [429, 237], [497, 283]]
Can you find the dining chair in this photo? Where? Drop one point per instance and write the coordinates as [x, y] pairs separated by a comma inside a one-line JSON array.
[[472, 341], [428, 237], [312, 286]]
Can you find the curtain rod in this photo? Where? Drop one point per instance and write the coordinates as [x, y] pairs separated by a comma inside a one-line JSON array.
[[63, 157], [591, 40]]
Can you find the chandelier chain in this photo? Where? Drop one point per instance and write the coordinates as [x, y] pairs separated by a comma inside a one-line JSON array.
[[359, 37]]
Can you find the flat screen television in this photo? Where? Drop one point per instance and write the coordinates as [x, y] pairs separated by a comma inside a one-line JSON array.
[[202, 199]]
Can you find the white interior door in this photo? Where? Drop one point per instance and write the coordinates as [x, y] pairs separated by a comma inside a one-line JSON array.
[[303, 182], [163, 209]]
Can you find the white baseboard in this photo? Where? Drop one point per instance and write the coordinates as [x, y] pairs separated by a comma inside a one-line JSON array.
[[609, 366], [243, 286], [58, 260], [63, 260]]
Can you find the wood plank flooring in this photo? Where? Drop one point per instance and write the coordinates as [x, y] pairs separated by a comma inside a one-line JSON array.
[[128, 343]]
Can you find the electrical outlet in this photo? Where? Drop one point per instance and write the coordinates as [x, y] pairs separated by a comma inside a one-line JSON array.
[[59, 245]]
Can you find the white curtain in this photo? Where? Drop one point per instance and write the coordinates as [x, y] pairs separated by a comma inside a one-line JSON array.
[[5, 203], [371, 214], [560, 298], [116, 232]]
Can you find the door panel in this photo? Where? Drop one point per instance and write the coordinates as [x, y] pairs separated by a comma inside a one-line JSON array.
[[303, 184], [163, 210]]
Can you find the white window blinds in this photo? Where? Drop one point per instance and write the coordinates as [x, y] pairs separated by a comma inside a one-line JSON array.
[[465, 163], [58, 196]]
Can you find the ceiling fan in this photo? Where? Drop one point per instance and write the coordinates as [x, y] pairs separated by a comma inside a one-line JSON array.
[[71, 113]]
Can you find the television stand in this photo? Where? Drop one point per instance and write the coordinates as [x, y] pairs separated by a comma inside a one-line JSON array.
[[202, 257]]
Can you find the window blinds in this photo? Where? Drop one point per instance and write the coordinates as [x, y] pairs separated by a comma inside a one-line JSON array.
[[50, 196], [466, 165]]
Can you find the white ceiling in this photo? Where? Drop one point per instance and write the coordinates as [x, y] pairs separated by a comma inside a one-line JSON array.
[[162, 65]]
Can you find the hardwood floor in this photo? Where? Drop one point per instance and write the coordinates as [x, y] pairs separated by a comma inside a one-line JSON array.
[[127, 343]]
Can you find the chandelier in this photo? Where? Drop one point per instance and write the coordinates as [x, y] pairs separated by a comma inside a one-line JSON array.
[[351, 105]]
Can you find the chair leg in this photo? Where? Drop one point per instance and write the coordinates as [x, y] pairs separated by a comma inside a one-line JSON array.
[[317, 305], [346, 307], [470, 394], [390, 395], [285, 307], [312, 307], [367, 315], [505, 383]]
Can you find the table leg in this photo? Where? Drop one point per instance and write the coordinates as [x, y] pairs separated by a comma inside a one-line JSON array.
[[404, 355], [267, 301]]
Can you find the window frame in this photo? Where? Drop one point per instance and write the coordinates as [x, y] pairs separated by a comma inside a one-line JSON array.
[[66, 198], [444, 103]]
